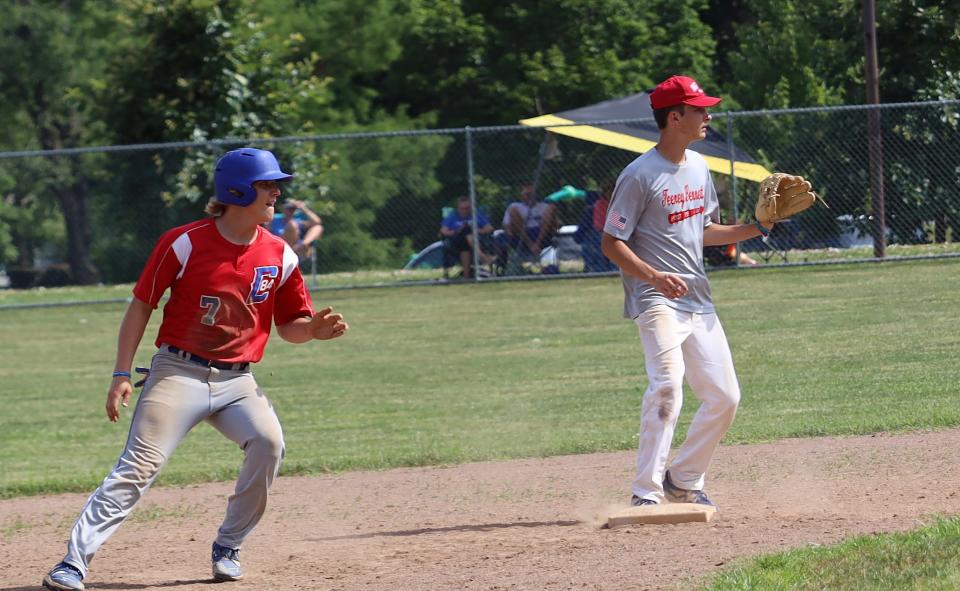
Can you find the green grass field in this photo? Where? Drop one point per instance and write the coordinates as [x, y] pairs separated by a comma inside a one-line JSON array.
[[926, 559], [370, 278], [447, 374]]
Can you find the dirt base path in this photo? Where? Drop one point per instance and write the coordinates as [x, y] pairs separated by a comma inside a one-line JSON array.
[[526, 524]]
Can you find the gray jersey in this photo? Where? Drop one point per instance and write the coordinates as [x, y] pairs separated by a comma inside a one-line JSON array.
[[660, 210]]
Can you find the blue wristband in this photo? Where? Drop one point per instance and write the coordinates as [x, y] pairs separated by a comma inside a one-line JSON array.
[[121, 374], [763, 231]]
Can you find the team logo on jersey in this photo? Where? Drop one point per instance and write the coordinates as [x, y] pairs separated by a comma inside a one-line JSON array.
[[682, 197], [263, 280], [678, 216]]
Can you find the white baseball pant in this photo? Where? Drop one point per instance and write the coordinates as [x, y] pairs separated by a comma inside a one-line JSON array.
[[178, 395], [677, 343]]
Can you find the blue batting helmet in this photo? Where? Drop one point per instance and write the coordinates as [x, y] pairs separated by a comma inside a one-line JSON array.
[[237, 170]]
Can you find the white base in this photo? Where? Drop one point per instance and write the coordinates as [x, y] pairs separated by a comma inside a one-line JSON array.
[[662, 513]]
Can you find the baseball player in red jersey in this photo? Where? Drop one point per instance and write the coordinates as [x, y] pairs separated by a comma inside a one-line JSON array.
[[229, 280]]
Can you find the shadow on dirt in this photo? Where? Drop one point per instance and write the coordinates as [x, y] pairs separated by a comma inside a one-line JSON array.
[[435, 530]]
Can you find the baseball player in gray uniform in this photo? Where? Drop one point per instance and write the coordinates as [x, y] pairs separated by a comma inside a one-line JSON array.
[[662, 213]]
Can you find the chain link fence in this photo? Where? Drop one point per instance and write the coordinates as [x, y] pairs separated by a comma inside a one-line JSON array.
[[93, 214]]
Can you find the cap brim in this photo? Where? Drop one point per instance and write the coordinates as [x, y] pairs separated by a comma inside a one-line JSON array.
[[702, 101], [275, 175]]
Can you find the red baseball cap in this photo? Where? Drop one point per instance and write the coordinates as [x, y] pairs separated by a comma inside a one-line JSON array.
[[677, 90]]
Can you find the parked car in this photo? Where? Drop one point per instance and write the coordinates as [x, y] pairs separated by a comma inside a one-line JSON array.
[[854, 231], [431, 257]]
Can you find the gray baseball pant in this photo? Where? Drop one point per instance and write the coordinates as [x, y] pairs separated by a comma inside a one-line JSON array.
[[178, 395]]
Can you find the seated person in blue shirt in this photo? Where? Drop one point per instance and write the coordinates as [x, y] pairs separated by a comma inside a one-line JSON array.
[[457, 232], [298, 225]]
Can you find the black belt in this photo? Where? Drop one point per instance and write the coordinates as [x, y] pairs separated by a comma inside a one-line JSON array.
[[207, 362]]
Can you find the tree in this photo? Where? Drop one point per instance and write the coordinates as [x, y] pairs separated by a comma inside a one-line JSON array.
[[801, 54], [791, 53], [245, 84], [493, 63], [47, 87], [252, 83], [348, 43], [496, 62]]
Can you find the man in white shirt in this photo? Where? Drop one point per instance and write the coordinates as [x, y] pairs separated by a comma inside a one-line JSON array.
[[529, 224]]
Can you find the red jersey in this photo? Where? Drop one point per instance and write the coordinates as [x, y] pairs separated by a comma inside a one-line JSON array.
[[600, 213], [223, 296]]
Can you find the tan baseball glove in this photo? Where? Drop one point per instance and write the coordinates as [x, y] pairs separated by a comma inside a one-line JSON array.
[[783, 195]]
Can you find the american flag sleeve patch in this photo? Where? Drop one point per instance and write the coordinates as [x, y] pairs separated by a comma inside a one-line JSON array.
[[617, 220]]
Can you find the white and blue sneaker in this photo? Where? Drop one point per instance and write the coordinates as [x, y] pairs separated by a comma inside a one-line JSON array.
[[683, 495], [226, 563], [64, 577], [640, 502]]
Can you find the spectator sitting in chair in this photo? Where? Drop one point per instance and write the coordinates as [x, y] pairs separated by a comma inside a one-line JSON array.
[[726, 256], [457, 232], [299, 225], [590, 229], [529, 224]]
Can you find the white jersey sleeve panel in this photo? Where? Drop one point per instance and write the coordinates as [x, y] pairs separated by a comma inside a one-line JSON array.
[[290, 262], [182, 247]]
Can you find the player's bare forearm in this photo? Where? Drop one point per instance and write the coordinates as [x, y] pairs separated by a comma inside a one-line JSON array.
[[131, 333], [720, 235], [620, 254], [295, 331], [324, 325]]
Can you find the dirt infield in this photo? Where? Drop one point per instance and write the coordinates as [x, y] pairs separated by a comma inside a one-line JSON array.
[[525, 524]]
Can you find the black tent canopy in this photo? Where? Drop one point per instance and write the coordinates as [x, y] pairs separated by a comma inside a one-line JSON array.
[[641, 136]]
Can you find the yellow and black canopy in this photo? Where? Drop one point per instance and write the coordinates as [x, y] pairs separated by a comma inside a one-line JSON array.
[[641, 136]]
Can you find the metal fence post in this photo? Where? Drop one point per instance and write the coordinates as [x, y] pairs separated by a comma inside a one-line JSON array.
[[874, 141], [733, 181], [472, 191]]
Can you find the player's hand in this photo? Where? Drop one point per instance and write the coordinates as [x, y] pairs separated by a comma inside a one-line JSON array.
[[326, 325], [670, 285], [119, 393]]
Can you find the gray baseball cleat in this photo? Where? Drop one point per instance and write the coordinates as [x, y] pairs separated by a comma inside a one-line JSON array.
[[226, 563], [683, 495], [64, 577], [639, 502]]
